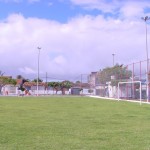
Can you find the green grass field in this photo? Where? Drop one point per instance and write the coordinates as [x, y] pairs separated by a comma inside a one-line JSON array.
[[73, 123]]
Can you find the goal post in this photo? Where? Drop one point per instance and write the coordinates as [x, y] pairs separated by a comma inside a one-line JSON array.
[[131, 88]]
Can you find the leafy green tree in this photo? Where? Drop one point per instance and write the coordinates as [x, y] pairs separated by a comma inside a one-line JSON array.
[[12, 81], [65, 85], [55, 86], [39, 80], [19, 77], [118, 72], [78, 82], [60, 86], [26, 80]]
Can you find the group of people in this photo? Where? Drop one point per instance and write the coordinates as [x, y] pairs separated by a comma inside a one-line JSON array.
[[22, 93]]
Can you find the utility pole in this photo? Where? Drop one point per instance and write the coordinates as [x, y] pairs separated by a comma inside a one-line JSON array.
[[145, 19], [46, 77], [81, 82], [46, 84]]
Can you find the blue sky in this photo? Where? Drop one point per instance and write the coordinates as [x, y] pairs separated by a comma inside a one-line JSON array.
[[63, 10], [58, 10], [76, 36]]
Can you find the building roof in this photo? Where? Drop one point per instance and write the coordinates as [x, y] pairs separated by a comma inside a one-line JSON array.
[[29, 84], [9, 77], [81, 85]]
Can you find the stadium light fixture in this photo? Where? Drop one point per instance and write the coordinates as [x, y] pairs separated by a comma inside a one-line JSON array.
[[113, 59], [39, 48]]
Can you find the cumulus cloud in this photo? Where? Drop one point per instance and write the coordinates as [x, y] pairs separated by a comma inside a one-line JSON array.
[[123, 9], [81, 45], [103, 5], [27, 70]]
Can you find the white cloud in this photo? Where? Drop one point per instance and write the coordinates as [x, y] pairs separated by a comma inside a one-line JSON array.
[[134, 9], [18, 1], [102, 5], [81, 45], [125, 9], [33, 1], [27, 70], [50, 3], [60, 60], [15, 1]]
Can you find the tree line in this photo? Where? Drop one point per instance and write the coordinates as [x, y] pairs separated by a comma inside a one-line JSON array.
[[118, 72], [56, 86]]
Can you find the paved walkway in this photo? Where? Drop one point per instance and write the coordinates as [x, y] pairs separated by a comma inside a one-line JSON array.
[[133, 101]]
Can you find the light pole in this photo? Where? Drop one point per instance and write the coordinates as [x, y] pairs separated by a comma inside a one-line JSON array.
[[39, 48], [113, 59], [147, 70]]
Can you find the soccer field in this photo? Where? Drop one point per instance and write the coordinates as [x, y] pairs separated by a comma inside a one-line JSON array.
[[73, 123]]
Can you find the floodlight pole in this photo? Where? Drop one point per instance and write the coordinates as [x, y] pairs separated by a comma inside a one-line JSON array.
[[147, 70], [39, 48], [113, 59]]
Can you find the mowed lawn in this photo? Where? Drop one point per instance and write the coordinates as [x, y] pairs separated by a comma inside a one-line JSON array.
[[73, 123]]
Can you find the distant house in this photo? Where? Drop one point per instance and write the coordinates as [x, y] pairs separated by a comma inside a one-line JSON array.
[[101, 90], [32, 87], [92, 79], [9, 77], [76, 91], [9, 90], [80, 89]]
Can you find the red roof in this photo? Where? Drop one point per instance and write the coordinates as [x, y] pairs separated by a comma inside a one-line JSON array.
[[29, 84], [82, 85]]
